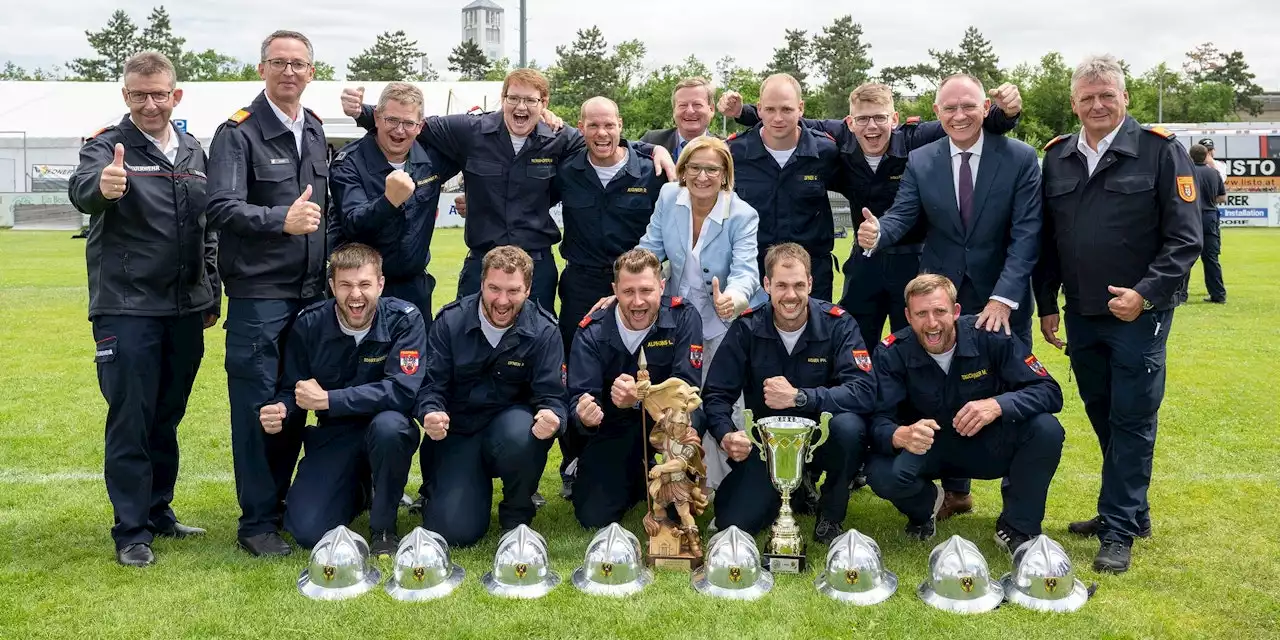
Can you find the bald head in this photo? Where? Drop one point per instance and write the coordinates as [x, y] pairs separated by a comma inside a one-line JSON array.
[[601, 127]]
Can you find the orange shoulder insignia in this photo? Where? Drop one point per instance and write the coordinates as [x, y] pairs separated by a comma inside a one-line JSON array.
[[836, 310], [239, 116], [1161, 131], [913, 120], [888, 340], [586, 320], [676, 301], [315, 115], [745, 312], [731, 137], [97, 133], [1055, 141]]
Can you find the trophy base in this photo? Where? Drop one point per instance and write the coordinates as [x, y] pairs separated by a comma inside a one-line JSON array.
[[784, 563], [666, 552]]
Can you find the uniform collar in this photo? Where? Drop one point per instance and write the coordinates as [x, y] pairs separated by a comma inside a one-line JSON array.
[[137, 138], [1125, 140], [666, 320], [580, 161], [966, 342], [372, 154], [805, 145]]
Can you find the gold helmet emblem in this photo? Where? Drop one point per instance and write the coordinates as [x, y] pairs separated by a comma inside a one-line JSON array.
[[735, 574], [851, 576], [1050, 584], [521, 569], [966, 583], [329, 571], [419, 573], [607, 569]]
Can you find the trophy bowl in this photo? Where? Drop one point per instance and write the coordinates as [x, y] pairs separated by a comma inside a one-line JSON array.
[[786, 445]]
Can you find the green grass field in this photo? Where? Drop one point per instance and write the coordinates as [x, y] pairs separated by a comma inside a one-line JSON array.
[[1210, 571]]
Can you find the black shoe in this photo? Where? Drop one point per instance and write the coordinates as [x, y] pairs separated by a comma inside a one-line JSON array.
[[1213, 300], [179, 530], [826, 531], [1113, 557], [566, 487], [859, 481], [265, 544], [538, 501], [1009, 538], [383, 542], [922, 531], [1091, 526], [417, 504], [137, 554], [808, 495]]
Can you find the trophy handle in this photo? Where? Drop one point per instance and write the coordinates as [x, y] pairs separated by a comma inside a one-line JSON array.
[[824, 430], [748, 422]]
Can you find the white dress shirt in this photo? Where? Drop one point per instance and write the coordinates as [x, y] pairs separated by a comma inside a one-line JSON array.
[[694, 288], [974, 160], [292, 125], [168, 148], [1092, 157]]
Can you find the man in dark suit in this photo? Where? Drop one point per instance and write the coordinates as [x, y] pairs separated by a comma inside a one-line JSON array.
[[981, 198], [692, 105]]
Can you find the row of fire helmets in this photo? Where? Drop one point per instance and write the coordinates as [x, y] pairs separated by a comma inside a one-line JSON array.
[[732, 568], [855, 571], [340, 569], [521, 566], [614, 565], [1042, 578]]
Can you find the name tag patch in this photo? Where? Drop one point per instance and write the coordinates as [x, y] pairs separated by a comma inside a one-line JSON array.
[[974, 375], [373, 359], [279, 161]]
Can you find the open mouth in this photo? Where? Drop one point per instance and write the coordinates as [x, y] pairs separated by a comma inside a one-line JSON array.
[[962, 126], [521, 119], [933, 338], [356, 309], [501, 315], [790, 307], [637, 316], [604, 147]]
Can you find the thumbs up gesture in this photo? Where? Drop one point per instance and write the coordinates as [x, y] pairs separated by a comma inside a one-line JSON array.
[[353, 101], [868, 231], [726, 305], [303, 216], [113, 180], [399, 187]]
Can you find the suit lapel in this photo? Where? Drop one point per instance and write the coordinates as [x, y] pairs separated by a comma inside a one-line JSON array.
[[949, 185], [988, 168]]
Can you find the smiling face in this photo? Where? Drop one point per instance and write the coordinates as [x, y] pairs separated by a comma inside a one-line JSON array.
[[692, 111], [601, 127], [357, 292], [933, 319], [704, 174], [780, 110], [502, 295], [158, 98], [522, 108], [639, 298], [960, 108], [398, 125], [788, 290], [872, 124], [1101, 105], [279, 68]]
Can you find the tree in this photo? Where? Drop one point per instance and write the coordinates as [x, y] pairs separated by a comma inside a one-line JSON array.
[[1206, 64], [974, 57], [392, 57], [468, 60], [582, 70], [113, 44], [1046, 100], [158, 36], [12, 71], [1164, 95], [628, 59], [745, 81], [844, 60], [794, 57], [498, 70]]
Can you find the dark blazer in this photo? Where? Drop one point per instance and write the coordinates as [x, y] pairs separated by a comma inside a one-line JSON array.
[[999, 249], [667, 138]]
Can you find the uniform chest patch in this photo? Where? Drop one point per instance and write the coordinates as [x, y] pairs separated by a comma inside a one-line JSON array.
[[373, 359], [279, 161], [862, 359], [695, 355], [974, 375], [1035, 366]]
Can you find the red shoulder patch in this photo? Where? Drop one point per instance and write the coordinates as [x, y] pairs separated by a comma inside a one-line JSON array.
[[1036, 367], [409, 362], [731, 137], [586, 320], [676, 301], [314, 115], [913, 120], [862, 359], [836, 310], [745, 312], [888, 340]]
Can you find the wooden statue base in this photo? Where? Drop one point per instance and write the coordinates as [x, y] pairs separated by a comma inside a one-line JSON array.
[[782, 563], [666, 552]]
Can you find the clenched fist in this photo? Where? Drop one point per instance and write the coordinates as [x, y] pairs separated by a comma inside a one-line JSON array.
[[399, 187], [778, 393], [624, 392], [545, 424], [915, 438], [272, 417], [114, 180], [736, 445], [436, 425], [589, 413], [730, 104], [310, 395], [353, 101]]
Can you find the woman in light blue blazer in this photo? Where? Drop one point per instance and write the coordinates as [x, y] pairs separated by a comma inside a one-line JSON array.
[[708, 236]]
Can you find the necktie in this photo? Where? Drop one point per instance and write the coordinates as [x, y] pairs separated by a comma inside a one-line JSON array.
[[966, 189], [679, 149]]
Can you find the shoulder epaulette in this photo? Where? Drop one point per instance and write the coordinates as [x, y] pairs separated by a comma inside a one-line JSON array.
[[451, 305], [314, 115], [1160, 131], [312, 307], [1055, 141], [101, 131], [547, 314], [240, 116], [676, 301], [750, 310], [889, 340], [731, 137], [913, 120], [836, 310], [585, 321]]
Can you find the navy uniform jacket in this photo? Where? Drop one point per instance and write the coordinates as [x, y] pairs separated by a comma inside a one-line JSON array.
[[601, 223], [508, 195], [254, 175], [382, 373], [876, 189], [830, 364], [150, 253], [791, 200], [673, 348], [1134, 223], [473, 381], [911, 385], [362, 213]]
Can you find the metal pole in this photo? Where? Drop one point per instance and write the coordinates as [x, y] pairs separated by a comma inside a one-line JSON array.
[[524, 40], [1160, 100]]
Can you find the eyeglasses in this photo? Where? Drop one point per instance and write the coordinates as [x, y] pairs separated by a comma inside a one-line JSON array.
[[967, 108], [711, 170], [516, 101], [140, 97], [278, 65], [879, 118], [397, 123]]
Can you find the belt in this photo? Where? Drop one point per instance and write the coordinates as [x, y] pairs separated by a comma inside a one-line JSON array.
[[902, 249]]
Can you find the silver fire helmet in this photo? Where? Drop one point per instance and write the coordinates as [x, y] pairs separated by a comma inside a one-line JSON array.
[[855, 571], [614, 565], [959, 580], [732, 568], [1043, 579], [339, 567], [422, 568], [521, 566]]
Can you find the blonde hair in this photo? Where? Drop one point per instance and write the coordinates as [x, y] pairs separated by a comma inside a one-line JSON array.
[[786, 252], [637, 261], [692, 83], [872, 93], [508, 259], [401, 92], [715, 144], [353, 256], [926, 283]]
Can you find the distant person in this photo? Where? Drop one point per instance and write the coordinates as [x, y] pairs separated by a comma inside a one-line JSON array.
[[1212, 192]]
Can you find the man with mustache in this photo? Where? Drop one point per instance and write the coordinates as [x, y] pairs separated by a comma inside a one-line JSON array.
[[794, 356], [492, 400], [602, 383], [356, 361], [955, 400]]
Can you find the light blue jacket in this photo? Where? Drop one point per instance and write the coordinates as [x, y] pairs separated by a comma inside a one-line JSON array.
[[728, 247]]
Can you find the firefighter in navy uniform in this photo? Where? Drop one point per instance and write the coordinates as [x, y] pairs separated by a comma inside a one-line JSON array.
[[492, 399], [603, 395], [958, 401], [794, 356], [355, 360], [268, 187], [1121, 231], [153, 290]]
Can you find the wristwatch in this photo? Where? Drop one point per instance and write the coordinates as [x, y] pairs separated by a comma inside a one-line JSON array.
[[1146, 305], [801, 398]]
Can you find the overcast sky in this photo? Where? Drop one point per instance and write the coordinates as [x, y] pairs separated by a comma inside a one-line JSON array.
[[1143, 32]]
